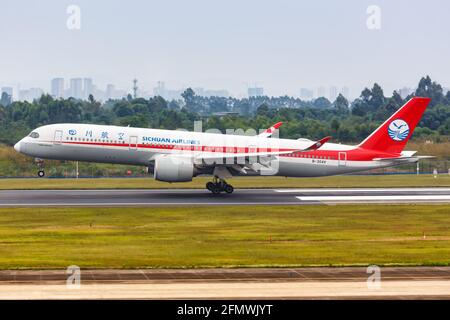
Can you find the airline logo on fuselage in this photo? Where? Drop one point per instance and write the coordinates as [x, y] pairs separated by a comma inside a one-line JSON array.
[[170, 140], [398, 130]]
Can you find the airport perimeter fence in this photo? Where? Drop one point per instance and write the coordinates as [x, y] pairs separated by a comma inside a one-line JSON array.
[[429, 166], [424, 167]]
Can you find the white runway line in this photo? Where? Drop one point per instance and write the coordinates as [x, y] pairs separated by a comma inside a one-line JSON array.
[[218, 290], [322, 190], [430, 197]]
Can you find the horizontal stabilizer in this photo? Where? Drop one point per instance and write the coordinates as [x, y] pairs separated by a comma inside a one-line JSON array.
[[404, 159]]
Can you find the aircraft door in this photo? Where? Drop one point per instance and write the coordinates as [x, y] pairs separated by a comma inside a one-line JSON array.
[[133, 145], [342, 162], [58, 137]]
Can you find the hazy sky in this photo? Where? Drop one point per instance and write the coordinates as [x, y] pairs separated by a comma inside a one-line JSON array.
[[281, 45]]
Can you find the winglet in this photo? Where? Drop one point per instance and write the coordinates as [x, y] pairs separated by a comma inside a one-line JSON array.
[[271, 130], [318, 144]]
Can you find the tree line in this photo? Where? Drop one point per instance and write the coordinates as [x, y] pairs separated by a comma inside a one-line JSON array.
[[345, 121]]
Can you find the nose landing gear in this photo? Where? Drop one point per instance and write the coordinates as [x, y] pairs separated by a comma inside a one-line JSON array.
[[40, 163], [219, 185]]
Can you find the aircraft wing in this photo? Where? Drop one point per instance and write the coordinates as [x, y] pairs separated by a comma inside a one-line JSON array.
[[316, 145], [221, 155], [269, 131]]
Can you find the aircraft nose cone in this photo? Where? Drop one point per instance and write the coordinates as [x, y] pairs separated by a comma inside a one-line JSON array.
[[17, 146]]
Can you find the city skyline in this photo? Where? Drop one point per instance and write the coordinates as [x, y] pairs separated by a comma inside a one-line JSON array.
[[174, 92], [83, 87], [286, 46]]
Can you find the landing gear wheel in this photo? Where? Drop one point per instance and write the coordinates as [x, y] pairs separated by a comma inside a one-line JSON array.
[[228, 188], [210, 186], [219, 185], [40, 164], [216, 190]]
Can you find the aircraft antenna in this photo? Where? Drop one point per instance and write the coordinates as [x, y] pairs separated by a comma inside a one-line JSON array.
[[135, 88]]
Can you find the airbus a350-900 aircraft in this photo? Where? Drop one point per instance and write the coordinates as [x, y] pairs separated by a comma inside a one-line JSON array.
[[178, 156]]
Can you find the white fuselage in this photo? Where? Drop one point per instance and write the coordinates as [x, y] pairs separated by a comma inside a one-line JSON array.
[[138, 146]]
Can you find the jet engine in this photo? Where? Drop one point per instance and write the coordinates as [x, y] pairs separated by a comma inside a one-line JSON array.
[[170, 168]]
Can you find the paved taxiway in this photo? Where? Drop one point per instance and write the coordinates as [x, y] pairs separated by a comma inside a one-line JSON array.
[[164, 197], [285, 283]]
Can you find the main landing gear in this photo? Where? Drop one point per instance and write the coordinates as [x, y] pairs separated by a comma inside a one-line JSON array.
[[219, 185], [40, 163]]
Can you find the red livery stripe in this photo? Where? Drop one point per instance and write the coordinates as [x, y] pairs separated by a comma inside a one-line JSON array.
[[356, 154]]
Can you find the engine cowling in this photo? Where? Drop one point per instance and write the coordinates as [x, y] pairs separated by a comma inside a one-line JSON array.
[[171, 168]]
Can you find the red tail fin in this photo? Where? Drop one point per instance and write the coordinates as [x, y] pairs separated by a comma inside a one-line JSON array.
[[395, 132]]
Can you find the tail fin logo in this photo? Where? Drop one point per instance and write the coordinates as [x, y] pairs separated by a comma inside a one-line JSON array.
[[398, 130]]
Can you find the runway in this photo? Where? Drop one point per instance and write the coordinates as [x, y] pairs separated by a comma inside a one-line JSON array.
[[181, 197], [248, 283]]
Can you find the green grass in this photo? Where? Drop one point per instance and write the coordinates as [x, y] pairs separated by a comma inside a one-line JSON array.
[[443, 180], [14, 164], [224, 237]]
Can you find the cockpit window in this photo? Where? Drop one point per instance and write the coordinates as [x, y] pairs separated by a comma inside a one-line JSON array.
[[34, 135]]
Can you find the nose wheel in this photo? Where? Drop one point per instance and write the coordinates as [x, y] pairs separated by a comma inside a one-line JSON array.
[[219, 185]]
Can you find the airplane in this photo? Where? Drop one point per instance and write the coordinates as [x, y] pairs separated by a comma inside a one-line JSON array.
[[178, 156]]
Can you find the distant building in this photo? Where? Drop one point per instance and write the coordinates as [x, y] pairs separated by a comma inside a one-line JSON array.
[[24, 95], [57, 88], [88, 87], [110, 91], [160, 89], [321, 92], [255, 91], [168, 94], [36, 93], [30, 94], [76, 88], [113, 93], [216, 93], [199, 91], [333, 93], [306, 94]]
